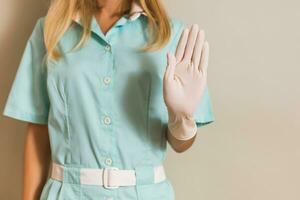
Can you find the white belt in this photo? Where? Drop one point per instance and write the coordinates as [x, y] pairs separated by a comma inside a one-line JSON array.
[[111, 177]]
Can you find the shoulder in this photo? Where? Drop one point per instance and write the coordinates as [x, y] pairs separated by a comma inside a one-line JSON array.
[[177, 25], [38, 30], [35, 49], [40, 21]]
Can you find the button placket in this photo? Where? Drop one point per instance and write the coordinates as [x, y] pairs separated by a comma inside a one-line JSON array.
[[107, 81]]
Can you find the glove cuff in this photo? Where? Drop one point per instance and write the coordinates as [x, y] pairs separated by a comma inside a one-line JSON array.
[[182, 127]]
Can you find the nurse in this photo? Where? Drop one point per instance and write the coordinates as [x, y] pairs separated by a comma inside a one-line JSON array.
[[104, 86]]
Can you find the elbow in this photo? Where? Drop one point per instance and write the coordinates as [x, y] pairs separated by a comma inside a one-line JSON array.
[[180, 146], [183, 146], [181, 149]]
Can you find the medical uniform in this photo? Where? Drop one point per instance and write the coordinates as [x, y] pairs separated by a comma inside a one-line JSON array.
[[103, 105]]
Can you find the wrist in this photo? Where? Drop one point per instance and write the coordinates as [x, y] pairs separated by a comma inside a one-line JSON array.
[[181, 126]]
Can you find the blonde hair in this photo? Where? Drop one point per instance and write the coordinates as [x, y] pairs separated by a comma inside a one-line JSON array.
[[61, 13]]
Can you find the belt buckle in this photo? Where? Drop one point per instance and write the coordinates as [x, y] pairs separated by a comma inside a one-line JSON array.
[[106, 177]]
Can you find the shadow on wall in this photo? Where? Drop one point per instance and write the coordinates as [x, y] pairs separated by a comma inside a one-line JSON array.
[[17, 21]]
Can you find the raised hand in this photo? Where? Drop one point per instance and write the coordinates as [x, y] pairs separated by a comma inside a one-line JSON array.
[[186, 73]]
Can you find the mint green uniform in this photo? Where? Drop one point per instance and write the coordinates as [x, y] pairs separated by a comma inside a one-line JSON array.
[[103, 105]]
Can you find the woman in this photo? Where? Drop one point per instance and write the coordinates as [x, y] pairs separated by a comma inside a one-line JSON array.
[[104, 85]]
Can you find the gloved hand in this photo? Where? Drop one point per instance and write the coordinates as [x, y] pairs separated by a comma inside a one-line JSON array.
[[184, 82]]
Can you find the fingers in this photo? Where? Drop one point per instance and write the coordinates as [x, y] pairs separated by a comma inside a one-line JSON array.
[[191, 48], [198, 49], [204, 58], [191, 42], [181, 45], [171, 62]]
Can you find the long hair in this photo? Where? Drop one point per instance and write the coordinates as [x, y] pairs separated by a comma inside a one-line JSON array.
[[61, 12]]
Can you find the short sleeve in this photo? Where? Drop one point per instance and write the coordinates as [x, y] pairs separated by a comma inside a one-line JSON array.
[[204, 112], [28, 99]]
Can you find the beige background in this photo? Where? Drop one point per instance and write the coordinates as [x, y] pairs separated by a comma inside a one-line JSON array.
[[252, 151]]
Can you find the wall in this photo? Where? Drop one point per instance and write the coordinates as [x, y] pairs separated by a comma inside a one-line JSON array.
[[252, 150]]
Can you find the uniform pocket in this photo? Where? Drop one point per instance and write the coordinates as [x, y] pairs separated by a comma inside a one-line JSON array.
[[56, 190], [50, 190], [69, 191], [156, 191], [171, 189]]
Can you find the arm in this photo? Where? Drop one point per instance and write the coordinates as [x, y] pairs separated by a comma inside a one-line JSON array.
[[184, 84], [36, 161], [179, 145]]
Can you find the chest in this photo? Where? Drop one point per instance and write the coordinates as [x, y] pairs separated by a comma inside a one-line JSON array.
[[118, 51], [114, 63]]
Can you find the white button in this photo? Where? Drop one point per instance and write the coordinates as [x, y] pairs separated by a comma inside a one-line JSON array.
[[108, 161], [107, 47], [107, 120], [107, 80]]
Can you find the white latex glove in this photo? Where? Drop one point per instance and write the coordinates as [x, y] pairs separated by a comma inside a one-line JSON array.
[[184, 82]]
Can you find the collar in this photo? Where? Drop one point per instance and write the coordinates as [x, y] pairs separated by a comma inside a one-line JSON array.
[[135, 12]]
